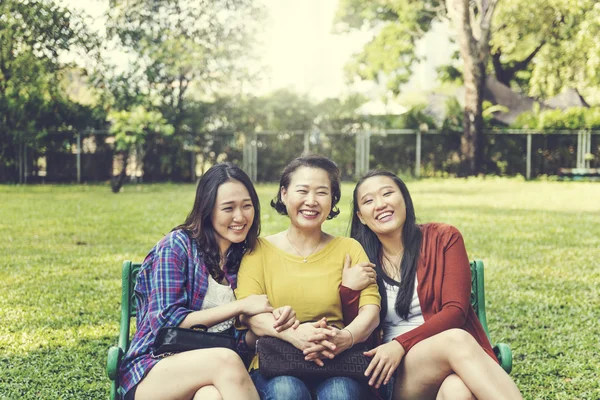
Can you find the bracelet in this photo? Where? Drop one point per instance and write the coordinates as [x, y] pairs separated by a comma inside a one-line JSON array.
[[351, 335]]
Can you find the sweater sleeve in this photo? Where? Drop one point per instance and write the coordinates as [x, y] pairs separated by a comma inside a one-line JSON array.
[[455, 290], [350, 299]]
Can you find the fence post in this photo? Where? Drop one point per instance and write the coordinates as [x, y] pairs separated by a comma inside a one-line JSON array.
[[254, 150], [193, 165], [588, 148], [418, 155], [249, 156], [78, 157], [579, 161], [528, 162], [306, 143], [367, 152], [358, 155], [246, 154], [25, 164]]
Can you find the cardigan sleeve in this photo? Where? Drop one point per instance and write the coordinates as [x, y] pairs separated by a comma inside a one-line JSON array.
[[455, 290], [350, 299]]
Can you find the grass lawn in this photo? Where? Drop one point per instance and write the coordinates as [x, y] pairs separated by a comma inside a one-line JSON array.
[[62, 248]]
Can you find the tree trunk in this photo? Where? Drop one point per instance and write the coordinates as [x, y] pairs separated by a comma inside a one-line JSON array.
[[116, 183], [471, 140], [472, 21]]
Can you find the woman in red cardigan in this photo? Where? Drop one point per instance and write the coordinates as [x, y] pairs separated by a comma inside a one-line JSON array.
[[431, 334]]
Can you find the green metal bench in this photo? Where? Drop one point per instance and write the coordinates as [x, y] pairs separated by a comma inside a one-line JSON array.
[[129, 274]]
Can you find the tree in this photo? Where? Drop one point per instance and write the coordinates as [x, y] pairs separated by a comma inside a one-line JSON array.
[[185, 51], [131, 129], [400, 24], [543, 46], [33, 36], [473, 26]]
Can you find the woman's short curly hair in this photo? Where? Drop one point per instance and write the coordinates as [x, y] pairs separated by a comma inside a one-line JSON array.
[[311, 161]]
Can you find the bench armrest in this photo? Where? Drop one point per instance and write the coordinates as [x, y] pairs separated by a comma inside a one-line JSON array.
[[504, 354], [115, 354]]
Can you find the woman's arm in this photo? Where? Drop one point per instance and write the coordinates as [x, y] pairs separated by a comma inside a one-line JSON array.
[[455, 293], [251, 305]]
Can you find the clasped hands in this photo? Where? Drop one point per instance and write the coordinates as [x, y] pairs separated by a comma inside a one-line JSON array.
[[319, 341]]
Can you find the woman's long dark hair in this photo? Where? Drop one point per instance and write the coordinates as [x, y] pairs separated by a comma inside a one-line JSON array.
[[411, 237], [198, 224]]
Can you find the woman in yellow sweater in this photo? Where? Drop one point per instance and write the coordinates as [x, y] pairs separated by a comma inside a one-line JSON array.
[[302, 267]]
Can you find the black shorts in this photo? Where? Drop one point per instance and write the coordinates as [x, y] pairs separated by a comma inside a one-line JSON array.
[[131, 394]]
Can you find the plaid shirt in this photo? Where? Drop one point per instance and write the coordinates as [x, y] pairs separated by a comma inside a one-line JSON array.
[[171, 283]]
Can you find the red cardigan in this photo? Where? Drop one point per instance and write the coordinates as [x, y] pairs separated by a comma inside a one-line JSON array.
[[444, 289]]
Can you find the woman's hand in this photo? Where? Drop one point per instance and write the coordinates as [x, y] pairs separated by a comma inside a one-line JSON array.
[[337, 342], [301, 335], [386, 359], [256, 304], [285, 317], [358, 277]]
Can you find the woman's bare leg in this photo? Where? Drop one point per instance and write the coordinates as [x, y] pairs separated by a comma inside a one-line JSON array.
[[453, 388], [208, 393], [454, 351], [180, 376]]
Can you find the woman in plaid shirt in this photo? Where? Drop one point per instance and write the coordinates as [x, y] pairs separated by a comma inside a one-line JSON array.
[[188, 278]]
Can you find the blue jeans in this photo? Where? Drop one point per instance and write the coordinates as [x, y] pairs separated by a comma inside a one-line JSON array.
[[289, 387]]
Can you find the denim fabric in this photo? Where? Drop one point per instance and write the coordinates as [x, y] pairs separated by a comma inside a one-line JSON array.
[[289, 387], [387, 391]]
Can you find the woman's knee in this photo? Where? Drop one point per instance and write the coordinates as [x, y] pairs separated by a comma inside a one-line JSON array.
[[283, 388], [460, 343], [341, 388], [228, 366], [208, 393], [225, 357], [453, 388]]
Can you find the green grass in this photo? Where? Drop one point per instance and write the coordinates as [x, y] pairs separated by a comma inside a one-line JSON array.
[[61, 250]]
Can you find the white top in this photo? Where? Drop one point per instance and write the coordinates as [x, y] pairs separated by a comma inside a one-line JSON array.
[[218, 295], [393, 325]]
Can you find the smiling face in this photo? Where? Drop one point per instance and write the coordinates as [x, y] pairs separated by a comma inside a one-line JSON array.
[[308, 197], [381, 205], [232, 214]]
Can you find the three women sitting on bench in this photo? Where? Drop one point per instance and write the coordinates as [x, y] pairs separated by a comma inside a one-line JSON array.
[[433, 345]]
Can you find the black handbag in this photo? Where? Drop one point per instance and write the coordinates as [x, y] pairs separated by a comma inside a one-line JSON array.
[[175, 340], [277, 357]]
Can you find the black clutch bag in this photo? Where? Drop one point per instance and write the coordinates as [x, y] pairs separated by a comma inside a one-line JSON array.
[[176, 340], [277, 357]]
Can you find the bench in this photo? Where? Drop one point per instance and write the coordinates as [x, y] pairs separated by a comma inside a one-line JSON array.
[[579, 173], [129, 274]]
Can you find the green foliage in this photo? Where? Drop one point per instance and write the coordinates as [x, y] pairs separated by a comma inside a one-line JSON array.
[[130, 128], [572, 118], [185, 54], [181, 45], [33, 36], [60, 287], [567, 30], [391, 53]]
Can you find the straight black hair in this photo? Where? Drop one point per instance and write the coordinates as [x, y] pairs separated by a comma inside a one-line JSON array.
[[198, 224], [411, 238]]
